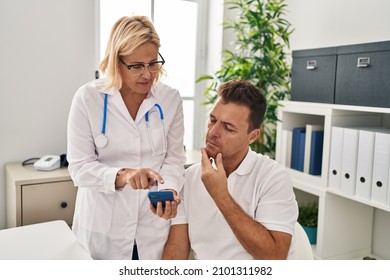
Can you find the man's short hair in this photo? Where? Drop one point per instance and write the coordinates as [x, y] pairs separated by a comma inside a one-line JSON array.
[[245, 93]]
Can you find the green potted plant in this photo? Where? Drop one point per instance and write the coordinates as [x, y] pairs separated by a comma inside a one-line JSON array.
[[308, 219], [260, 56]]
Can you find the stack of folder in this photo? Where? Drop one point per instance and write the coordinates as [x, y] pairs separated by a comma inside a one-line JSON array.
[[359, 163], [306, 148]]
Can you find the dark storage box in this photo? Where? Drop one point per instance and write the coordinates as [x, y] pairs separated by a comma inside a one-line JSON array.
[[352, 75], [363, 75], [313, 75]]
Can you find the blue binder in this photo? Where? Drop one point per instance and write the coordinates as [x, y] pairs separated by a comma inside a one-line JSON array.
[[298, 148], [317, 140]]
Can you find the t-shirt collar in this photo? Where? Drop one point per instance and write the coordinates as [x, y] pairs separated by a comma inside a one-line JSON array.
[[247, 164]]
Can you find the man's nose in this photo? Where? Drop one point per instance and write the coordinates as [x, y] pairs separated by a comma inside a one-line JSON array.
[[214, 130]]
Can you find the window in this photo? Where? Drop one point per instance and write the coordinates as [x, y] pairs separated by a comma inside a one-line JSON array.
[[182, 36]]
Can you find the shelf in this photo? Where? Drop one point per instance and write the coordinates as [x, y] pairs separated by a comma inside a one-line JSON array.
[[308, 183], [349, 227], [23, 175], [360, 200], [321, 108]]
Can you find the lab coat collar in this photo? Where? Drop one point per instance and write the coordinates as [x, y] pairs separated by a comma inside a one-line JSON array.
[[146, 105], [153, 93], [100, 85]]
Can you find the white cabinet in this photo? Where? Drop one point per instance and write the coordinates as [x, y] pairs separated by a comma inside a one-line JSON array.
[[38, 196], [348, 227]]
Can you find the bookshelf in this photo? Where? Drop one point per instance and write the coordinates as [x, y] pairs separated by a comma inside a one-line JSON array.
[[349, 227]]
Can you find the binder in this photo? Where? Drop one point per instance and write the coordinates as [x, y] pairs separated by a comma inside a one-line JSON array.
[[317, 141], [348, 160], [380, 171], [308, 140], [364, 165], [298, 148], [336, 148], [286, 148], [365, 162]]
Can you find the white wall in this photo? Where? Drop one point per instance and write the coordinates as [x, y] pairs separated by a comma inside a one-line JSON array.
[[46, 52], [324, 23]]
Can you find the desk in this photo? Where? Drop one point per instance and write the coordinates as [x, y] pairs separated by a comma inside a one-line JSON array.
[[28, 191], [45, 241]]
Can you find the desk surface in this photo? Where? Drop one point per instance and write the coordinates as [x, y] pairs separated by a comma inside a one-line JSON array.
[[45, 241], [23, 175]]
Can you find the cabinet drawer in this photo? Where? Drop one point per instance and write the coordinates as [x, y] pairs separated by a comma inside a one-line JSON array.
[[47, 202], [363, 75], [313, 75]]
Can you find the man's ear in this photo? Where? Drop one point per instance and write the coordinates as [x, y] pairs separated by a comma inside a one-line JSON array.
[[253, 135]]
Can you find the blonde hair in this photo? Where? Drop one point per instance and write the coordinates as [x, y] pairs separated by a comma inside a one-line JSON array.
[[127, 34]]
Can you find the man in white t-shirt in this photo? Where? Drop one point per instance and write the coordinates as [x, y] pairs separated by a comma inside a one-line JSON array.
[[236, 204]]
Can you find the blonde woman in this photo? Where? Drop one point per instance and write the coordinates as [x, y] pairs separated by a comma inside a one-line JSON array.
[[125, 138]]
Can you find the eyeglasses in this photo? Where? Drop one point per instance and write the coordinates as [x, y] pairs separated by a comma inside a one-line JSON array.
[[138, 69]]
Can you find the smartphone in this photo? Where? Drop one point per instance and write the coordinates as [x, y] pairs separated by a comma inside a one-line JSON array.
[[155, 197]]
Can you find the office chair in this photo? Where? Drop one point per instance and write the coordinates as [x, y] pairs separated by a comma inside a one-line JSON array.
[[303, 249]]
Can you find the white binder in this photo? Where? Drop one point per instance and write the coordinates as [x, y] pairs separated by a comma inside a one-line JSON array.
[[286, 148], [348, 161], [365, 157], [336, 149], [380, 171]]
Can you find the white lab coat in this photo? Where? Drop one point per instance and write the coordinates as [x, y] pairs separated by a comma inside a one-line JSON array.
[[107, 221]]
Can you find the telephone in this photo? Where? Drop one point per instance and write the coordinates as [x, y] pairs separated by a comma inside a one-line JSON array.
[[48, 163], [162, 196]]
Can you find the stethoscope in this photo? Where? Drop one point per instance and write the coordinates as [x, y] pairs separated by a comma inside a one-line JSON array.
[[102, 140]]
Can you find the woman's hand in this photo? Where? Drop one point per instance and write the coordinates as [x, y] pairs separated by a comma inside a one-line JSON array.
[[143, 178]]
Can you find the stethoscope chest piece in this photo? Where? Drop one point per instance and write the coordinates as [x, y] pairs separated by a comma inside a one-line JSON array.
[[101, 141]]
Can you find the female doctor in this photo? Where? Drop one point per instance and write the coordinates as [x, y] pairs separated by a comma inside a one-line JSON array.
[[125, 138]]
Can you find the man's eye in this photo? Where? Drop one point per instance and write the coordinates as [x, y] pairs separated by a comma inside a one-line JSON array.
[[228, 128]]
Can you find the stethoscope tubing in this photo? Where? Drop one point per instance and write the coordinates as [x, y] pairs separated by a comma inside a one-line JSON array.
[[154, 152], [104, 114], [101, 140], [160, 111]]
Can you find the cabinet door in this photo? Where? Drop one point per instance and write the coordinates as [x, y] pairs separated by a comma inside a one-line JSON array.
[[48, 202]]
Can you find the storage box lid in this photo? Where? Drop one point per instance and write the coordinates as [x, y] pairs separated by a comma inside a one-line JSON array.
[[347, 49], [365, 47], [315, 52]]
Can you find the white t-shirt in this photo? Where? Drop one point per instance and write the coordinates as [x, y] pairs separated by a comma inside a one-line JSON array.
[[259, 185]]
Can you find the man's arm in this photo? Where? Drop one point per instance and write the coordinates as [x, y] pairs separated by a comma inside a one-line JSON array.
[[177, 246], [254, 237]]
